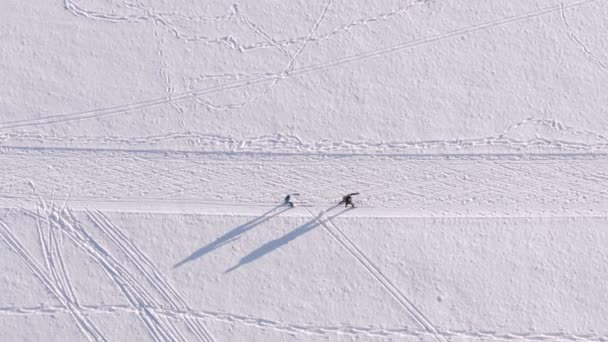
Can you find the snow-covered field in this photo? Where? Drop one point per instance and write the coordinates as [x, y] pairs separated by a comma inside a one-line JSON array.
[[146, 147]]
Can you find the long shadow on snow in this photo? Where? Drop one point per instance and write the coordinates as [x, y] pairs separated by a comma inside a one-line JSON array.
[[232, 235], [283, 240]]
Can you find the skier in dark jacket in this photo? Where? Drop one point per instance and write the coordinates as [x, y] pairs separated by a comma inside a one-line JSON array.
[[288, 199], [348, 199]]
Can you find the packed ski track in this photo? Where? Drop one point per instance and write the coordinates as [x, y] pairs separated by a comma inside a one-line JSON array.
[[145, 156], [427, 186]]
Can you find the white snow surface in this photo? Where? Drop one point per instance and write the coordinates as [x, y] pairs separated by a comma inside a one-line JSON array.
[[146, 147]]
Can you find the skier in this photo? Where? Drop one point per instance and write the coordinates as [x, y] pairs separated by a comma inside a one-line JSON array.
[[288, 199], [348, 199]]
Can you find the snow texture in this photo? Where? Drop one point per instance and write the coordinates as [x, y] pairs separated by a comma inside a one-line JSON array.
[[146, 147]]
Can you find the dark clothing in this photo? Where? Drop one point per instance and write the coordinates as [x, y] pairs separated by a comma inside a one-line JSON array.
[[288, 201], [348, 199]]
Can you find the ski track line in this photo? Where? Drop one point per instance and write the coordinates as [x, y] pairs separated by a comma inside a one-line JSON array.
[[140, 260], [102, 112], [160, 330], [57, 267], [555, 149], [354, 251], [603, 67], [41, 239], [356, 331], [427, 324], [109, 272], [262, 323], [215, 156], [54, 245], [85, 326], [141, 295]]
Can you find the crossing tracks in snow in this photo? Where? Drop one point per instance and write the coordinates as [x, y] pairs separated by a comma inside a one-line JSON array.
[[341, 238], [94, 181], [55, 224]]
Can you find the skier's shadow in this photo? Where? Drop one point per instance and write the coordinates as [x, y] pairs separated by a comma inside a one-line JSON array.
[[270, 246], [232, 235]]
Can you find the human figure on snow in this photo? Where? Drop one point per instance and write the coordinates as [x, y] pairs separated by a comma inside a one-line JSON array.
[[288, 199], [348, 199]]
